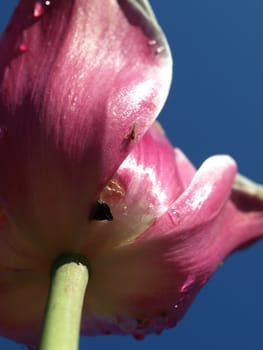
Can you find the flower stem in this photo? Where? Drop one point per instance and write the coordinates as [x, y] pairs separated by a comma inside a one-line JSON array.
[[61, 327]]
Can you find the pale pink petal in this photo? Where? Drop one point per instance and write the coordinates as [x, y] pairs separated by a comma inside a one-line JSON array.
[[207, 193]]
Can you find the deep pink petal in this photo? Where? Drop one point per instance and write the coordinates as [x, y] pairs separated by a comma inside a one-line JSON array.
[[80, 82]]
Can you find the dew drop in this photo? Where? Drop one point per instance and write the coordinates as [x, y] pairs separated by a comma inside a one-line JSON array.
[[23, 48], [174, 215], [152, 42], [159, 50], [73, 99], [187, 283], [138, 336], [38, 10]]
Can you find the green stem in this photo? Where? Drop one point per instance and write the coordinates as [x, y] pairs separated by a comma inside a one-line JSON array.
[[61, 327]]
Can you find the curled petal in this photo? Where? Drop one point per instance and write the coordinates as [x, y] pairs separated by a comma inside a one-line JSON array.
[[207, 193], [203, 199]]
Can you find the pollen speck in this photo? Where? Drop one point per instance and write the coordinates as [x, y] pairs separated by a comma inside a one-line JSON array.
[[23, 48], [113, 190], [38, 10]]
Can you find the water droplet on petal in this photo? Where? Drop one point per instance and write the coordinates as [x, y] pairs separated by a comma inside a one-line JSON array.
[[187, 283], [38, 9], [47, 2], [174, 215], [73, 102], [159, 50], [138, 336], [23, 48], [152, 42]]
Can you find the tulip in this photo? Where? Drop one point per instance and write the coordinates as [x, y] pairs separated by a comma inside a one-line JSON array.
[[82, 178]]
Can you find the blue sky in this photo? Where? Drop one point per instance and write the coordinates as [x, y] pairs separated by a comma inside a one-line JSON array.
[[215, 106]]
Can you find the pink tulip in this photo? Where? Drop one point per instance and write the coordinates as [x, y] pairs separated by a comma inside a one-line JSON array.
[[81, 82]]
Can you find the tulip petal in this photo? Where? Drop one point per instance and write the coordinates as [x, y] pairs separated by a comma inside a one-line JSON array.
[[152, 298], [206, 194], [202, 200], [80, 83]]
